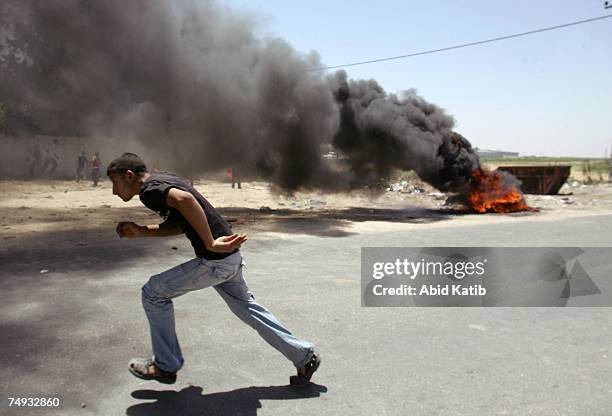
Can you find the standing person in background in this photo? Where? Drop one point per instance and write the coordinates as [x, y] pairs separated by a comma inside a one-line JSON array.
[[235, 178], [218, 263], [95, 168], [81, 163]]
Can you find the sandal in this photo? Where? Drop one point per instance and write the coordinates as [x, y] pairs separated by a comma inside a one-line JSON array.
[[146, 369], [303, 379]]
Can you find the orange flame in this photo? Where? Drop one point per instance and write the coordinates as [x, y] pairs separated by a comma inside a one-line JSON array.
[[489, 192]]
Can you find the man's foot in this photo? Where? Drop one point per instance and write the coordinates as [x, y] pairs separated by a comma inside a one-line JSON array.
[[146, 369], [304, 374]]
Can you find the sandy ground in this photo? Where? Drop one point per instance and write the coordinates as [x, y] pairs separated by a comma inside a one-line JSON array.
[[71, 214]]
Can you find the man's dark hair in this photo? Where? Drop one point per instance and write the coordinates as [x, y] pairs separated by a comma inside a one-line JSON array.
[[125, 162]]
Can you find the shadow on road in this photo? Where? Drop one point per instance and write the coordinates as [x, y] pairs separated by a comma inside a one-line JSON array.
[[191, 402], [331, 222]]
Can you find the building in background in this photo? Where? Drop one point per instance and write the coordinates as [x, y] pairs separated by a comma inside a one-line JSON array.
[[484, 153]]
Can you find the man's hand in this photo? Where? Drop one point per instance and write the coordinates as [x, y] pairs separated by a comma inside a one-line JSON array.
[[130, 229], [228, 243]]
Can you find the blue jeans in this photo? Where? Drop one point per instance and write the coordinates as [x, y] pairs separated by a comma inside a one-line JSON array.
[[225, 276]]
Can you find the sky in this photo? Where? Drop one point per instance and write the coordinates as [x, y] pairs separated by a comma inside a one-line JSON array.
[[548, 94]]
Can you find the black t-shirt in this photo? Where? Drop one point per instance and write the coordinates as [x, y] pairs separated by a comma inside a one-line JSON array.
[[153, 195]]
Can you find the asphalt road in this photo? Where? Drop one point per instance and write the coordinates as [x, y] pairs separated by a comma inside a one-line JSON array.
[[69, 332]]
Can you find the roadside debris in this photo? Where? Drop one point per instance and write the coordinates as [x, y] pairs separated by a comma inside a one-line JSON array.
[[405, 187]]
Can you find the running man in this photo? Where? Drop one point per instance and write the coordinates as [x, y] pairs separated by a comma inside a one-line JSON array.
[[218, 263]]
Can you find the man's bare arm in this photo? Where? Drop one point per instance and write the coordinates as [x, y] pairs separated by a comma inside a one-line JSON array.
[[133, 230], [189, 207]]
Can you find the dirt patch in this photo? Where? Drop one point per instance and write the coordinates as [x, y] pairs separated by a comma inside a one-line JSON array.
[[65, 214]]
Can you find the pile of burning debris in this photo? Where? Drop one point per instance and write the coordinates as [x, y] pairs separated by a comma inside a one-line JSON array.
[[485, 191], [496, 191]]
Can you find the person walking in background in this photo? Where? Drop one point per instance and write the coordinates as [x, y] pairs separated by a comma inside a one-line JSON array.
[[235, 178], [81, 164], [95, 168]]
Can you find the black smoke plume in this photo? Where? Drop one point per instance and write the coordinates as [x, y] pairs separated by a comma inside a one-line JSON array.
[[195, 85]]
